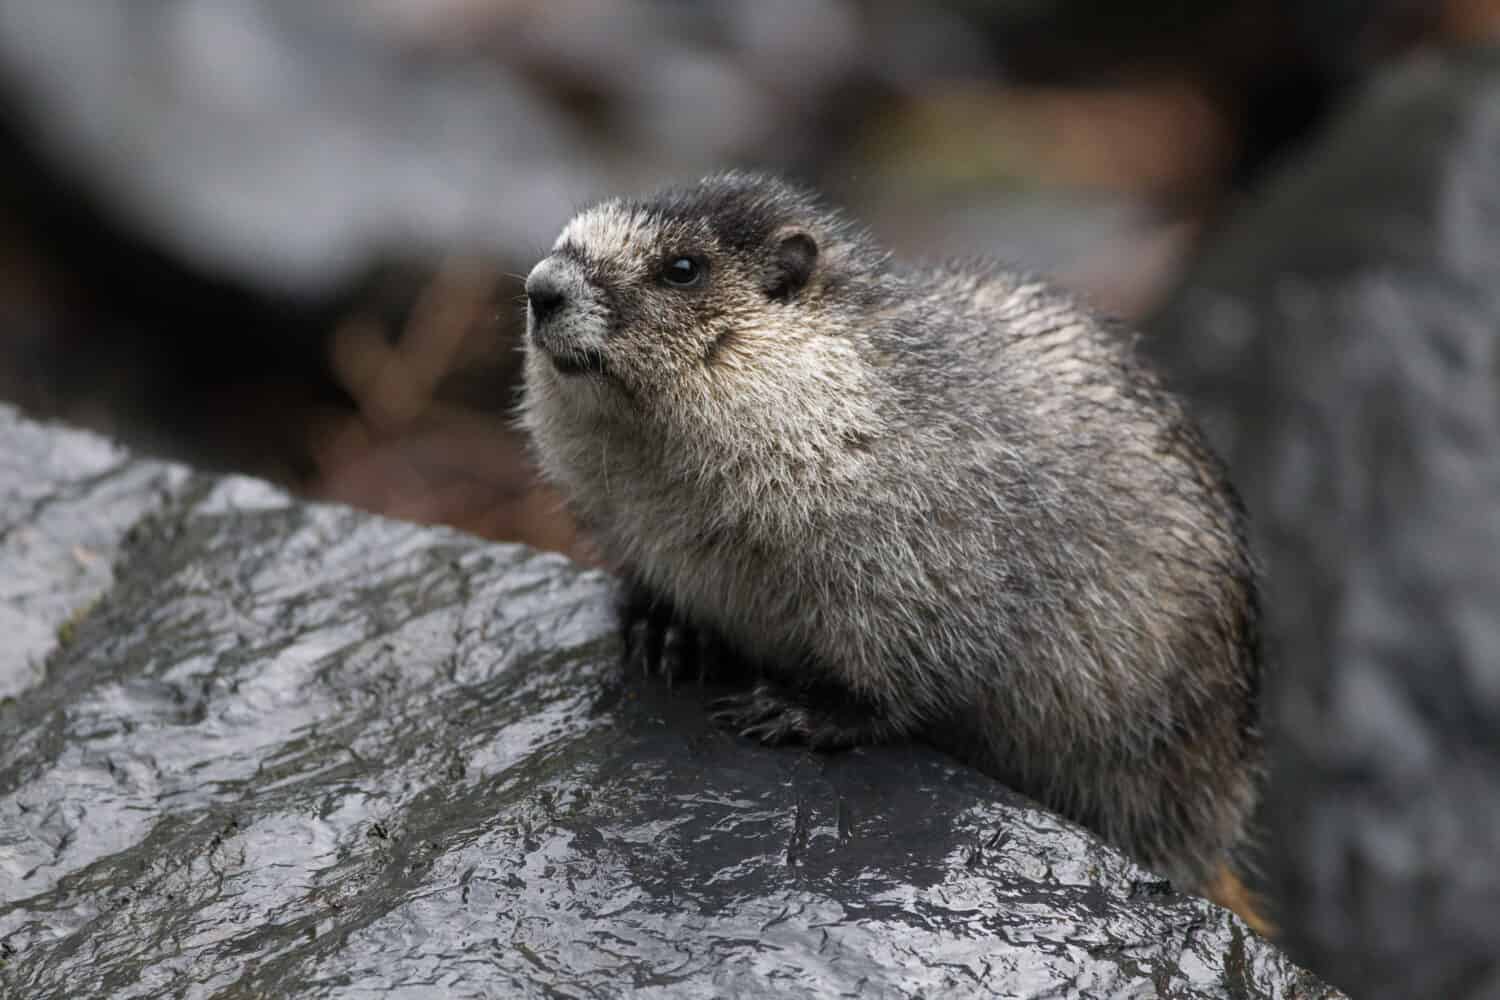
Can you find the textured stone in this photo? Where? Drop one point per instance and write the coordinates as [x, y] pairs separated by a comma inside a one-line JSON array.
[[297, 750], [67, 499], [1341, 344]]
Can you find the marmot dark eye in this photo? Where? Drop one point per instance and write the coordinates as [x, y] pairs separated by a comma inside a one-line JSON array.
[[683, 272]]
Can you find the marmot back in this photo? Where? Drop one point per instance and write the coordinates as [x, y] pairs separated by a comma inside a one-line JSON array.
[[946, 504]]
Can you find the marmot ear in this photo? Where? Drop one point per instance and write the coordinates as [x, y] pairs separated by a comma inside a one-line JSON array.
[[796, 255]]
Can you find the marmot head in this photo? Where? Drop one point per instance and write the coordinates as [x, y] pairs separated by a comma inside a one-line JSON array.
[[694, 287]]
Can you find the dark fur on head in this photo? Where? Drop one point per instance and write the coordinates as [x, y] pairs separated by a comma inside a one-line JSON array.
[[949, 494]]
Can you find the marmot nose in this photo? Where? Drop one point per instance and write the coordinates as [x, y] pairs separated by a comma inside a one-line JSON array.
[[544, 293]]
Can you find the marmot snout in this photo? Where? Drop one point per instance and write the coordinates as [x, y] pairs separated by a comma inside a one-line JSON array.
[[945, 504]]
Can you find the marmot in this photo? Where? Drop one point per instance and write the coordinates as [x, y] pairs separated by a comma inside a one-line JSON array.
[[946, 504]]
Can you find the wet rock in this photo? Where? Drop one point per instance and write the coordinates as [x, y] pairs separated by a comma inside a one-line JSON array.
[[297, 750], [1341, 344], [67, 499]]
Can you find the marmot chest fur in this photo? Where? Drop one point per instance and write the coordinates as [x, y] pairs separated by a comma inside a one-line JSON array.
[[946, 504]]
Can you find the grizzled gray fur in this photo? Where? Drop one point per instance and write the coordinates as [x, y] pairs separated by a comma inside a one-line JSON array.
[[944, 504]]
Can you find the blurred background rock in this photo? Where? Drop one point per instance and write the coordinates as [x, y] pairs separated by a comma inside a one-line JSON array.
[[288, 239]]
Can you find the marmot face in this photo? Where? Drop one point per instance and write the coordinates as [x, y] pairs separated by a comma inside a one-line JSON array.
[[666, 296]]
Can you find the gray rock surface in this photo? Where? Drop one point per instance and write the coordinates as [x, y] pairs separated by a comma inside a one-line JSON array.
[[1341, 343], [294, 750], [66, 498]]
